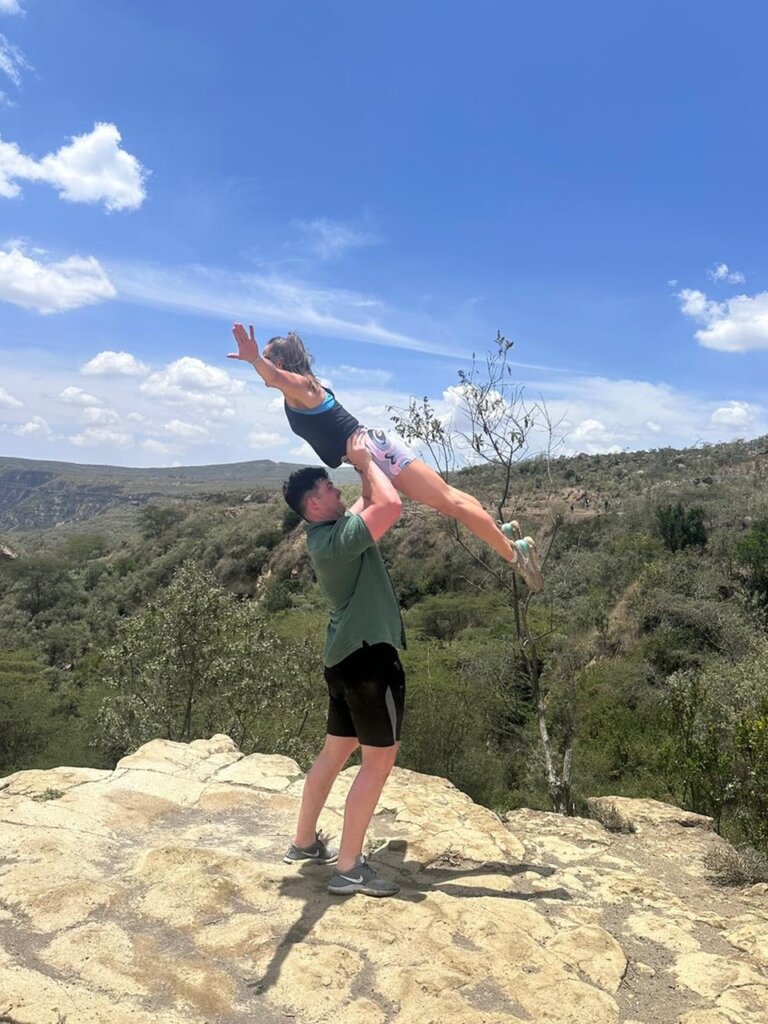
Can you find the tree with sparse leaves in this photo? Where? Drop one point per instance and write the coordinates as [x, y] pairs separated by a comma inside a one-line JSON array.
[[494, 423]]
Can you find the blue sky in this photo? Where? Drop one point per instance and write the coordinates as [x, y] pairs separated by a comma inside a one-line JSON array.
[[396, 181]]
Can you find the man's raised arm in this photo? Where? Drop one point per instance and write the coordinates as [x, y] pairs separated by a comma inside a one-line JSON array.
[[379, 505]]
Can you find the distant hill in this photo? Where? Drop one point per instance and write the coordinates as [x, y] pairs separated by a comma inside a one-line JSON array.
[[39, 495]]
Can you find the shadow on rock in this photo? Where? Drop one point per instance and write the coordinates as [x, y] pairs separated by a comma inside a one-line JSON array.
[[416, 879]]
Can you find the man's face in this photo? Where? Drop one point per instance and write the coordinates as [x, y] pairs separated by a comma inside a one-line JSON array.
[[324, 503]]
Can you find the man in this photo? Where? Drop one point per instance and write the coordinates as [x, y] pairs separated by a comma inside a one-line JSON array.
[[366, 682]]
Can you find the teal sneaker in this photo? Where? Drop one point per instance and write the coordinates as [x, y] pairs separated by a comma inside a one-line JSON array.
[[361, 878], [525, 563], [319, 851], [512, 529]]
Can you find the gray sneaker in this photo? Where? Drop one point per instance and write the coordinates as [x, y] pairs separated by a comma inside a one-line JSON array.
[[319, 851], [361, 878]]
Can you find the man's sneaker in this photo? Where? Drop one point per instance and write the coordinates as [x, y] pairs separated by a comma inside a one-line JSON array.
[[525, 563], [361, 878], [319, 851]]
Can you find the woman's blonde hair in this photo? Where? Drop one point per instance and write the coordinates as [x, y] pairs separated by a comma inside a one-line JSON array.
[[293, 355]]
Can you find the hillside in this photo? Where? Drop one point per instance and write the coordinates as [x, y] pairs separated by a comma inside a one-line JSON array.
[[157, 893], [651, 633], [40, 495]]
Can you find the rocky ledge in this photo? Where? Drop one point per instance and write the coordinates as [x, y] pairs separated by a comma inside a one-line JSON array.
[[156, 894]]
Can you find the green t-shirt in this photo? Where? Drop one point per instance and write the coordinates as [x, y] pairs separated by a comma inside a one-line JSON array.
[[356, 585]]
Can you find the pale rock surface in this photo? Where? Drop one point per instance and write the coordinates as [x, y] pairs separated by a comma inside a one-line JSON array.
[[156, 894]]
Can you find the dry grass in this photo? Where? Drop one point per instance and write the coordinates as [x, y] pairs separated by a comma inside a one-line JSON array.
[[731, 866], [611, 818]]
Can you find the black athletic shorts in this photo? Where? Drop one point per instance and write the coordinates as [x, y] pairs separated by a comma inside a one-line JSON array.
[[367, 696]]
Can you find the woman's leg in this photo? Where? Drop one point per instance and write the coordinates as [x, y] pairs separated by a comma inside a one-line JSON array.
[[421, 483]]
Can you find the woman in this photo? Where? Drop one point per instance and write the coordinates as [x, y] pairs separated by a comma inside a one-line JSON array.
[[315, 415]]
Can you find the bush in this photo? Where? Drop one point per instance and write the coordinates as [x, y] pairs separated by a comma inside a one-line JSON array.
[[737, 866], [610, 817], [752, 556], [681, 527]]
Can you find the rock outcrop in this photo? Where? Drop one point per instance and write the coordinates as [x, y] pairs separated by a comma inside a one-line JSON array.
[[156, 894]]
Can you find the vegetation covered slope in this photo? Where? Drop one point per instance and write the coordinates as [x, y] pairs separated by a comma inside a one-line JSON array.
[[198, 615]]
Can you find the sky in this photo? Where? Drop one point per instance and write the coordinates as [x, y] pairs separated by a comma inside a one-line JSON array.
[[396, 181]]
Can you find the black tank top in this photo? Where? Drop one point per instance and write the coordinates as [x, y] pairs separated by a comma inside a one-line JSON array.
[[326, 432]]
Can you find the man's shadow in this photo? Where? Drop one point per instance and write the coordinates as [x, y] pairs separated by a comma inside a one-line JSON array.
[[309, 884]]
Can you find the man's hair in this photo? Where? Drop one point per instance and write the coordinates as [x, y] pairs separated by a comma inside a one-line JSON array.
[[298, 485]]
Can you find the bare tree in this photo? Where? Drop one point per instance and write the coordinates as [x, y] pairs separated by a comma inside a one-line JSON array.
[[494, 423]]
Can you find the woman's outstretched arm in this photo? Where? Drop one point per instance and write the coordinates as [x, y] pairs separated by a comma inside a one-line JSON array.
[[292, 385]]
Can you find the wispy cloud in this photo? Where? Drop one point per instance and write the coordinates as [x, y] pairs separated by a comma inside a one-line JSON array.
[[76, 396], [92, 168], [330, 239], [93, 437], [36, 427], [10, 7], [12, 61], [186, 431], [8, 400], [211, 291], [52, 287], [722, 272]]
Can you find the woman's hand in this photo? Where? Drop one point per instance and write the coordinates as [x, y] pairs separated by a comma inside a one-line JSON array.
[[247, 349]]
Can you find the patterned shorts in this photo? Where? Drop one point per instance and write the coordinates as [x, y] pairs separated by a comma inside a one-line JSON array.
[[389, 453]]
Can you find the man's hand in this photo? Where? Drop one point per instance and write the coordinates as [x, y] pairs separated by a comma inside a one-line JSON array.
[[357, 452], [247, 349]]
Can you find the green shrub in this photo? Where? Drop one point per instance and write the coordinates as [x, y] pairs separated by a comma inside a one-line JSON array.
[[681, 527]]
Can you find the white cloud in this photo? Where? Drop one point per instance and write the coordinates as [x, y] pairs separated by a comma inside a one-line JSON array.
[[55, 287], [306, 454], [187, 431], [357, 375], [12, 60], [114, 364], [158, 447], [722, 272], [264, 438], [76, 396], [329, 239], [335, 312], [36, 427], [739, 324], [592, 431], [8, 401], [92, 168], [736, 414], [94, 436], [190, 381], [639, 414], [599, 415], [94, 414], [10, 7]]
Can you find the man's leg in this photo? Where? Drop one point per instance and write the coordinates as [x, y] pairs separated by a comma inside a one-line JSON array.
[[362, 800], [320, 778]]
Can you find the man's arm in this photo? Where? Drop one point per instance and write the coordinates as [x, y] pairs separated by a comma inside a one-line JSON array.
[[365, 498], [379, 505]]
